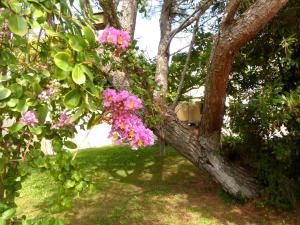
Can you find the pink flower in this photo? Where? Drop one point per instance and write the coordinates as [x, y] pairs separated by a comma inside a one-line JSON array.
[[109, 96], [29, 118], [46, 94], [133, 103], [64, 120], [123, 95], [126, 126], [115, 37]]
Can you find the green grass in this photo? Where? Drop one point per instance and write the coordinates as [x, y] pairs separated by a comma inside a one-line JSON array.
[[141, 188]]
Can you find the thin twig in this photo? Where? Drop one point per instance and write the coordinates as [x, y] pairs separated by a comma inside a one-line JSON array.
[[201, 9], [187, 62]]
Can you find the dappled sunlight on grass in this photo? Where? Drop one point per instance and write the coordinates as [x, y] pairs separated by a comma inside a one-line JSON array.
[[140, 187]]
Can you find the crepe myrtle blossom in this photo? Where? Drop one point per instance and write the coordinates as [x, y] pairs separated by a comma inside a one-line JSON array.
[[115, 37], [46, 94], [49, 91], [125, 125], [64, 120], [29, 118], [133, 103]]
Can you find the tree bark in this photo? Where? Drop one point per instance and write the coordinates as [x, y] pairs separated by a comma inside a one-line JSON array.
[[129, 12], [162, 57], [232, 36], [110, 11], [233, 178]]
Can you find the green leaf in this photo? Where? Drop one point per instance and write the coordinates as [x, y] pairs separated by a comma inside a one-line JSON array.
[[17, 90], [4, 93], [78, 75], [55, 208], [26, 222], [60, 222], [69, 184], [49, 31], [15, 6], [3, 206], [90, 104], [38, 13], [63, 61], [3, 162], [70, 144], [40, 162], [37, 87], [46, 73], [67, 203], [89, 35], [16, 127], [2, 221], [8, 214], [90, 123], [72, 99], [87, 71], [7, 58], [37, 130], [21, 106], [77, 43], [17, 24], [2, 18], [12, 102], [42, 113], [76, 176], [2, 105], [56, 144], [78, 113], [60, 74], [79, 187]]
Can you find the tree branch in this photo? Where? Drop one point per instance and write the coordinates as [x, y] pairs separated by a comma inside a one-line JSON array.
[[230, 12], [110, 11], [162, 57], [253, 20], [201, 9], [187, 62], [226, 44], [129, 12]]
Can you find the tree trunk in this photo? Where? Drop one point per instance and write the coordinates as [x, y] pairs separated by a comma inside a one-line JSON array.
[[234, 179], [162, 57], [129, 12], [202, 151], [215, 92], [232, 36]]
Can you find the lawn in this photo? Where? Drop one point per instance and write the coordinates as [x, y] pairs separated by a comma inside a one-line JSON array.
[[141, 188]]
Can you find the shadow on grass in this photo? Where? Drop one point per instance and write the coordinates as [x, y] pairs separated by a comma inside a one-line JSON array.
[[140, 187]]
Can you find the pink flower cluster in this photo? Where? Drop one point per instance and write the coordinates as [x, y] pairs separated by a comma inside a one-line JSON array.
[[46, 94], [49, 91], [126, 126], [29, 118], [116, 37], [64, 120]]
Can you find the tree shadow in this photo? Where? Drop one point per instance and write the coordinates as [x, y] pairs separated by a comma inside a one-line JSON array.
[[143, 188]]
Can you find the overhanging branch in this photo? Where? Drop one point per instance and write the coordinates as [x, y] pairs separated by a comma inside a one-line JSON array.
[[201, 9], [110, 11], [253, 20], [230, 12]]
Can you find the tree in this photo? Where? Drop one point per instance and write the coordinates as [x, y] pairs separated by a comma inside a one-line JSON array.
[[234, 32], [83, 68], [264, 107]]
